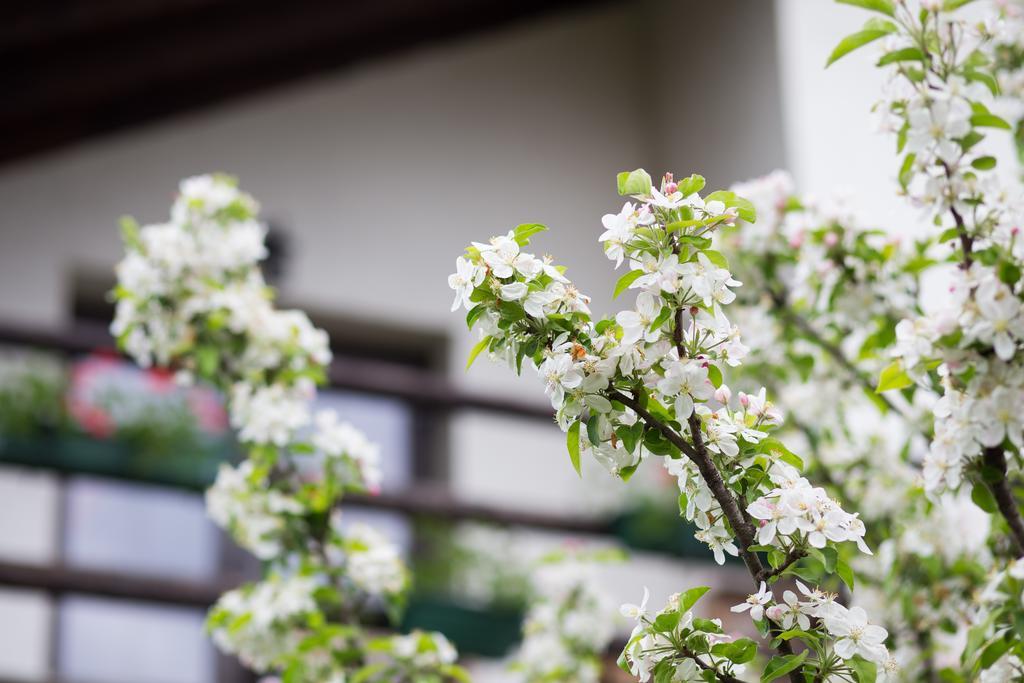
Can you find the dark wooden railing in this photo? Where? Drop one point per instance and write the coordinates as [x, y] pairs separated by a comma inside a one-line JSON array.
[[414, 386]]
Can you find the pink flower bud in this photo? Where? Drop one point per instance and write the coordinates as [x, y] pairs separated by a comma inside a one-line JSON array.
[[744, 400], [670, 188], [831, 239], [723, 394]]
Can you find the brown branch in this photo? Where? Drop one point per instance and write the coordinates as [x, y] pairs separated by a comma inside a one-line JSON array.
[[723, 678], [743, 529], [794, 556], [995, 459], [712, 477]]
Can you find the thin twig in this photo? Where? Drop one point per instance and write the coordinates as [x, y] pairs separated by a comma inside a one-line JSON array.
[[781, 304]]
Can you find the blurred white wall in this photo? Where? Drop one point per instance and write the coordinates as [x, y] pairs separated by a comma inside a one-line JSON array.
[[830, 135], [381, 174]]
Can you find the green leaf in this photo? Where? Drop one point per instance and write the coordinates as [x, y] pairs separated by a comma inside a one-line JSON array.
[[572, 442], [866, 671], [695, 183], [715, 375], [1009, 272], [774, 447], [883, 6], [984, 499], [744, 208], [689, 598], [1018, 137], [893, 377], [592, 432], [780, 665], [872, 31], [738, 651], [984, 163], [480, 346], [474, 314], [666, 622], [130, 233], [907, 54], [666, 313], [625, 281], [717, 257], [983, 77], [993, 652], [950, 5], [989, 121], [845, 573], [524, 232], [207, 360], [634, 182]]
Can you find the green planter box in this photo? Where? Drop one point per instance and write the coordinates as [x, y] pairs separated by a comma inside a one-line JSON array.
[[116, 459], [650, 526], [484, 632]]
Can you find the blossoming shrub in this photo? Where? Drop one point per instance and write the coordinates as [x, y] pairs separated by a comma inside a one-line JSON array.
[[650, 382], [823, 297], [190, 296], [946, 66]]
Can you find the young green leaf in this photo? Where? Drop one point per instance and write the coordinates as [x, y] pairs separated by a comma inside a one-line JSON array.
[[907, 54], [984, 163], [780, 665], [989, 121], [625, 281], [689, 598], [883, 6], [481, 345], [866, 671], [893, 377], [872, 31], [694, 183], [572, 442], [845, 573], [524, 232], [634, 182]]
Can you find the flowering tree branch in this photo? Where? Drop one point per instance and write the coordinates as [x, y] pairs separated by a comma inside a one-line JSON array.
[[624, 388], [947, 74], [191, 297]]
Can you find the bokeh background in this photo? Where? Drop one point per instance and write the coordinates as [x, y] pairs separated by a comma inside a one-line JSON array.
[[380, 138]]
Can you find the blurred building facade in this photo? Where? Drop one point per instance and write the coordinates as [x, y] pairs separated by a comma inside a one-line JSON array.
[[377, 176]]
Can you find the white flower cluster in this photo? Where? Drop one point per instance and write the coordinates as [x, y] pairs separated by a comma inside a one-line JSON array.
[[794, 512], [568, 627], [971, 342], [372, 563], [849, 629], [981, 374], [263, 622], [650, 381], [191, 296], [652, 651]]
